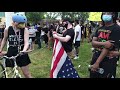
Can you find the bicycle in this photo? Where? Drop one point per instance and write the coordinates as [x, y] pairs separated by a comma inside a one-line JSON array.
[[10, 72]]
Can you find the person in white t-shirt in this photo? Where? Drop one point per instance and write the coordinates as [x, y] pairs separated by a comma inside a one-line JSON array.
[[77, 38], [32, 35]]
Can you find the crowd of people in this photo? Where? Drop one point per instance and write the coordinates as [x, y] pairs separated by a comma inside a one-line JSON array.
[[39, 33], [102, 34]]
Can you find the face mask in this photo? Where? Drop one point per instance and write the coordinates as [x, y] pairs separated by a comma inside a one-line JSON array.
[[22, 25], [118, 23], [107, 18], [66, 26]]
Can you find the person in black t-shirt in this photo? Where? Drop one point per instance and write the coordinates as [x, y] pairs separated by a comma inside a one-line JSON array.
[[38, 35], [89, 33], [85, 31], [82, 31], [67, 38], [106, 54], [45, 29], [1, 33], [50, 36], [17, 36]]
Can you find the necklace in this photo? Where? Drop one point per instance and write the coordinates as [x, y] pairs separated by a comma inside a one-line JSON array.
[[18, 37]]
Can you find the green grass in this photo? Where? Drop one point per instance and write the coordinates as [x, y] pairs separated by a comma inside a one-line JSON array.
[[41, 62], [84, 60]]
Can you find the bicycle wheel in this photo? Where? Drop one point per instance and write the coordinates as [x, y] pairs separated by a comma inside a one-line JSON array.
[[10, 72], [2, 71]]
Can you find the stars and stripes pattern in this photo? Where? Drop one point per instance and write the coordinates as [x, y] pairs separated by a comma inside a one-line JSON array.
[[61, 66]]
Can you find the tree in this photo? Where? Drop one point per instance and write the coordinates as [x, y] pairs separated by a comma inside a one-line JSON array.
[[75, 15], [83, 16], [52, 15], [34, 17]]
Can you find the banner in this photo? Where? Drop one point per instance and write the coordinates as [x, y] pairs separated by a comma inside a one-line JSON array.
[[95, 16]]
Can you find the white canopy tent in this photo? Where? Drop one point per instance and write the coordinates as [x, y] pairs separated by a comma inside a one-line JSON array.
[[8, 18]]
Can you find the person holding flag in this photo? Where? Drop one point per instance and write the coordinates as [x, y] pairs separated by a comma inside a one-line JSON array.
[[62, 66], [67, 38]]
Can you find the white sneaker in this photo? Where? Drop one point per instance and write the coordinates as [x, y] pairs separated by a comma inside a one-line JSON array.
[[92, 49], [76, 57], [117, 62]]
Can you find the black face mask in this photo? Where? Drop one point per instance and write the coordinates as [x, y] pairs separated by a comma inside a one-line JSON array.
[[66, 26]]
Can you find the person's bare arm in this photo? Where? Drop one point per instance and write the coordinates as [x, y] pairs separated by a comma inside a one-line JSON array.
[[62, 39], [54, 32], [103, 54], [113, 54], [4, 39], [60, 34], [26, 40], [96, 43]]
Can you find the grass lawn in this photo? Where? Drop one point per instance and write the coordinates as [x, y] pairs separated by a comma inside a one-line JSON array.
[[41, 62]]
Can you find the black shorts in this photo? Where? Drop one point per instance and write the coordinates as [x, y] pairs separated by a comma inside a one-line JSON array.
[[33, 38], [109, 66], [21, 61], [46, 39], [77, 44], [1, 35]]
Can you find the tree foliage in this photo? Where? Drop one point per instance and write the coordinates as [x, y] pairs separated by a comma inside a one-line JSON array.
[[37, 16], [75, 15], [34, 17], [52, 15]]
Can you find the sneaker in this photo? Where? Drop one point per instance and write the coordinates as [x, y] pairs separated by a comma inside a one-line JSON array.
[[117, 63], [76, 57], [92, 49]]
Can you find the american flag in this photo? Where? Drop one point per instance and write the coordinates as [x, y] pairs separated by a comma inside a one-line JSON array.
[[61, 66]]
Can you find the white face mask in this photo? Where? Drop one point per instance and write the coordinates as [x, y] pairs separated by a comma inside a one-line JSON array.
[[118, 23]]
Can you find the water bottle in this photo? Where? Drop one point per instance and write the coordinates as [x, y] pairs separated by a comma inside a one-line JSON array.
[[99, 70]]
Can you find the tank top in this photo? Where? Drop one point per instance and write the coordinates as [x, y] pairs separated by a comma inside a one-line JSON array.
[[15, 40]]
